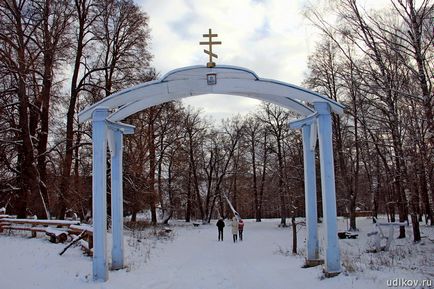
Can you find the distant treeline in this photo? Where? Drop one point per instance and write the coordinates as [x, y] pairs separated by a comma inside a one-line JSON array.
[[59, 56]]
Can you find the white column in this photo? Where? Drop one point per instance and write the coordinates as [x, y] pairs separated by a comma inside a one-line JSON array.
[[99, 194], [310, 195], [332, 254], [116, 149]]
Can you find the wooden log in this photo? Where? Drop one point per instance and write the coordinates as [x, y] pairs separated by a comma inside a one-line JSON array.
[[86, 235], [56, 236], [59, 223], [32, 229], [33, 232], [342, 235], [76, 239], [80, 228], [3, 224], [90, 242], [85, 245]]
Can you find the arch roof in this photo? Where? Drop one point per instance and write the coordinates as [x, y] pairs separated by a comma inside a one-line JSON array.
[[190, 81]]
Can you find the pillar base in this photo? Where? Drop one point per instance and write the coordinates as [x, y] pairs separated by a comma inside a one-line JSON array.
[[313, 263], [331, 274], [116, 268]]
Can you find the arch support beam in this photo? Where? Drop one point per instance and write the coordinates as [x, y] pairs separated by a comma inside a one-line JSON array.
[[190, 81], [115, 141], [332, 254], [312, 258], [116, 146], [99, 194]]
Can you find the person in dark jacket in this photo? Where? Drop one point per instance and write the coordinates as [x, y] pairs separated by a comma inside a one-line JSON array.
[[220, 225]]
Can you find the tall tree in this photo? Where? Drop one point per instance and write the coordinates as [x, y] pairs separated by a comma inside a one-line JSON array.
[[18, 55], [256, 141], [52, 41], [276, 119], [118, 30], [388, 51], [83, 18]]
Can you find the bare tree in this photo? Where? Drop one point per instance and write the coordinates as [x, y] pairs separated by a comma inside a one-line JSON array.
[[118, 30], [194, 133], [276, 120], [18, 55], [387, 51], [52, 41], [256, 137], [83, 18]]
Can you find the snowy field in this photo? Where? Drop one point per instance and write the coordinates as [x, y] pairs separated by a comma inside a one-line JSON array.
[[192, 258]]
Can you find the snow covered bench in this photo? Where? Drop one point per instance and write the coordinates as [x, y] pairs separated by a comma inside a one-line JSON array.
[[347, 235], [58, 223], [5, 226], [379, 235], [56, 236], [58, 232], [34, 226]]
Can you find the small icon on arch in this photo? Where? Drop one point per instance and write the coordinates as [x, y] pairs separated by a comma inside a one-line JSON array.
[[211, 79]]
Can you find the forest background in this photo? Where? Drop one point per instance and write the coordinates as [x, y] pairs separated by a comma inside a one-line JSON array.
[[58, 56]]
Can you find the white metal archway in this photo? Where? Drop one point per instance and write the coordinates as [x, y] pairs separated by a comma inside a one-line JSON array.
[[315, 121]]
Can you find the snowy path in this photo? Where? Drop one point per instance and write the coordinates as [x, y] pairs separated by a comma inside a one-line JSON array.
[[200, 259], [194, 259]]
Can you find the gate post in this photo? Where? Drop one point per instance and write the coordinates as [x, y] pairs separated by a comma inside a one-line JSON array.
[[117, 211], [116, 131], [310, 196], [99, 194], [332, 254]]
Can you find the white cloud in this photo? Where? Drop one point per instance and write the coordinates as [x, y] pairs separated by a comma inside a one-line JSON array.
[[265, 36], [270, 37], [220, 106]]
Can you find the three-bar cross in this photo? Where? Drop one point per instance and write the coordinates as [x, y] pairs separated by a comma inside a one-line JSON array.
[[210, 43]]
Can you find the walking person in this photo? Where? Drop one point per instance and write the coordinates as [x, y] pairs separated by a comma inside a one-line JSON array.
[[235, 228], [220, 225], [241, 228]]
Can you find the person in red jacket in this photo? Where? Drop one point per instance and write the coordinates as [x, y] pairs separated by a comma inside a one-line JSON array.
[[240, 228]]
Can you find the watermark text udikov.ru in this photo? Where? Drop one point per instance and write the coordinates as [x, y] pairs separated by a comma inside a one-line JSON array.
[[402, 282]]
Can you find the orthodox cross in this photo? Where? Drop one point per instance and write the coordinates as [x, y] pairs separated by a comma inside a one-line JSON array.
[[210, 43]]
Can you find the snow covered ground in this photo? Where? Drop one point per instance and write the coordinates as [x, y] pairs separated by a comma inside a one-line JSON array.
[[192, 258]]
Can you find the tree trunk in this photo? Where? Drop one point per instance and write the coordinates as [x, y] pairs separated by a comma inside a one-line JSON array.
[[281, 189], [83, 9], [29, 175], [196, 180], [188, 208], [152, 165], [50, 48], [170, 207], [416, 38], [134, 216], [255, 181], [263, 176], [294, 236]]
